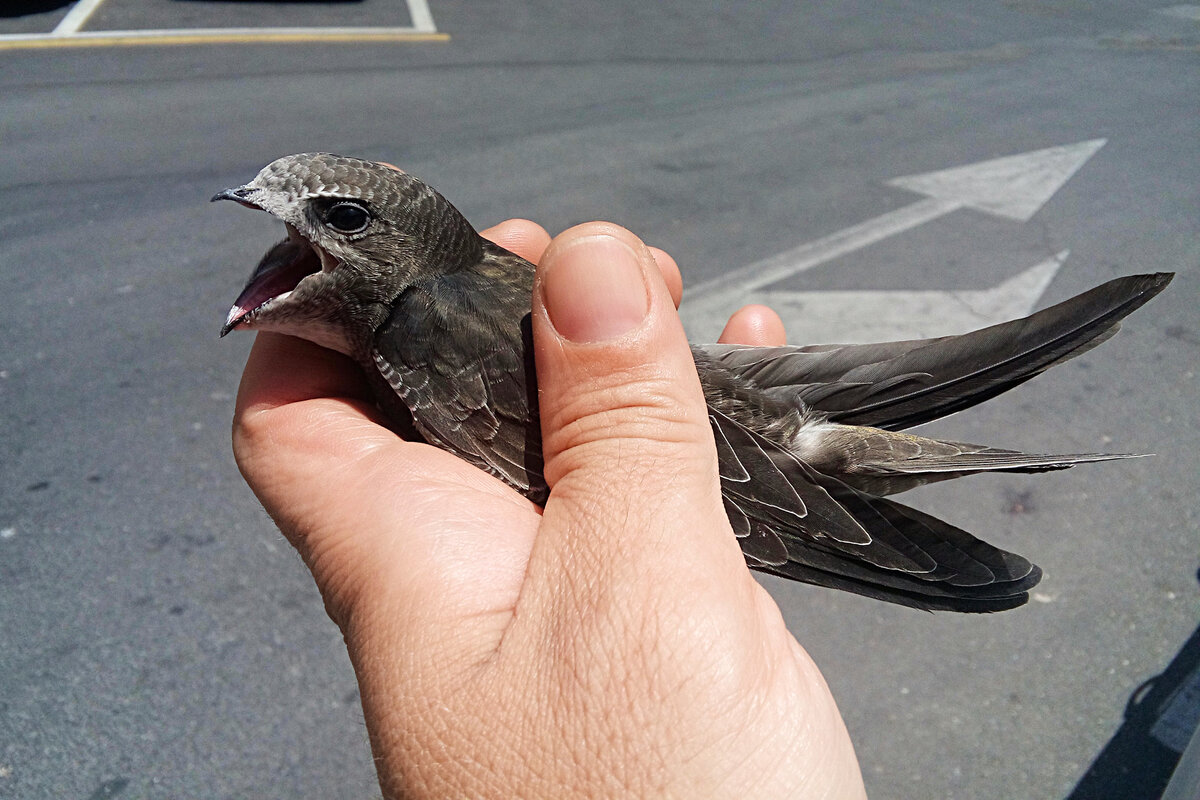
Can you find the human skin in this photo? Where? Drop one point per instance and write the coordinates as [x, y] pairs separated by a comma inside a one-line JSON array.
[[613, 644]]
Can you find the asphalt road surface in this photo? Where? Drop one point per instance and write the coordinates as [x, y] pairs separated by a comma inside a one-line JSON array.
[[159, 639]]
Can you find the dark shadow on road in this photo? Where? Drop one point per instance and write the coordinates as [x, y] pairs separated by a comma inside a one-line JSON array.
[[19, 8], [275, 2], [1136, 763]]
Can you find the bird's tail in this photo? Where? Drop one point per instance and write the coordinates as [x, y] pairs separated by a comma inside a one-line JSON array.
[[883, 462]]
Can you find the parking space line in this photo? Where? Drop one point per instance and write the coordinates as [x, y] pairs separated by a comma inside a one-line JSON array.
[[422, 19], [218, 36], [67, 33], [75, 18]]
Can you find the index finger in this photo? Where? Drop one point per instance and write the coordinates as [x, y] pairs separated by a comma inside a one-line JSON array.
[[527, 239]]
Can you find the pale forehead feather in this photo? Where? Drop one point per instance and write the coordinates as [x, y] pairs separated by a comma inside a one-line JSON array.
[[308, 175]]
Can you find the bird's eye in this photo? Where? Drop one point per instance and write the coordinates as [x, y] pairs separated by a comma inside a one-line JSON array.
[[348, 218]]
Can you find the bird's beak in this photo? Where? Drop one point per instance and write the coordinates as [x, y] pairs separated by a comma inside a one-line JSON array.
[[239, 194]]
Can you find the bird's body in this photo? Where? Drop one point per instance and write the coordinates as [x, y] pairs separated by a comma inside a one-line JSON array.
[[380, 267]]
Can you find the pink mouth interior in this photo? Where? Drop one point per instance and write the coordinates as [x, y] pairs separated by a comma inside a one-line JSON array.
[[279, 272]]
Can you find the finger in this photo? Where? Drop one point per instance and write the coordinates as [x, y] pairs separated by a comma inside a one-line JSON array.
[[284, 369], [527, 239], [357, 502], [754, 325], [670, 273], [624, 423], [292, 392], [303, 417]]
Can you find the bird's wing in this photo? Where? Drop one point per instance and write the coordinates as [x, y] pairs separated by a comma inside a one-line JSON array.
[[896, 385], [466, 375], [1003, 579], [797, 522]]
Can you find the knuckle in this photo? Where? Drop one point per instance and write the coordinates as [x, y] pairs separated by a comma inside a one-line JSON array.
[[631, 416]]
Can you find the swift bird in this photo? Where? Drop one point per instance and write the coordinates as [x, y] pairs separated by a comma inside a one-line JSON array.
[[379, 266]]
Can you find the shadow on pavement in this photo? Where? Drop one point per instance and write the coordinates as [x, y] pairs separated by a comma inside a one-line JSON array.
[[1160, 718], [276, 2], [19, 8]]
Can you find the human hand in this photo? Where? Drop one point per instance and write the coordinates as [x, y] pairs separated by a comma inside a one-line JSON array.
[[614, 644]]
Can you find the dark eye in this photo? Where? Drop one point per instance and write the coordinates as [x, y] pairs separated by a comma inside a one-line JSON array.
[[348, 218]]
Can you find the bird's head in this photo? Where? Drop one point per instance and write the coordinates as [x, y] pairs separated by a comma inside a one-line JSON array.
[[359, 233]]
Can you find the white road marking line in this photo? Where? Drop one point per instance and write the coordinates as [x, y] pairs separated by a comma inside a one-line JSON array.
[[67, 33], [173, 32], [75, 18], [217, 36], [827, 248], [422, 19]]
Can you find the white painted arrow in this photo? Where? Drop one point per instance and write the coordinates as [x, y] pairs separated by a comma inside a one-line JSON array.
[[1014, 187], [878, 316]]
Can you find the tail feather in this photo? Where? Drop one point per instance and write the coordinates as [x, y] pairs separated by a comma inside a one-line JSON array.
[[884, 462]]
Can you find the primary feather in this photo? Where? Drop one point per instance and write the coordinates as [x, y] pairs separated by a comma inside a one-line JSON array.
[[896, 385]]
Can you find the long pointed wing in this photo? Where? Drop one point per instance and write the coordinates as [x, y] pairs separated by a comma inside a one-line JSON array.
[[896, 385], [800, 523]]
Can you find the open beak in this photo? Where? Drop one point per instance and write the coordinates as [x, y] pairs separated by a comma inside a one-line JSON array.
[[277, 274]]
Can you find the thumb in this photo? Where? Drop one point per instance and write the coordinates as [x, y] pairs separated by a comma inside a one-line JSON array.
[[628, 447]]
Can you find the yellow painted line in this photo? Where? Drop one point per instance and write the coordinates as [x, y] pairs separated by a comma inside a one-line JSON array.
[[175, 38]]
